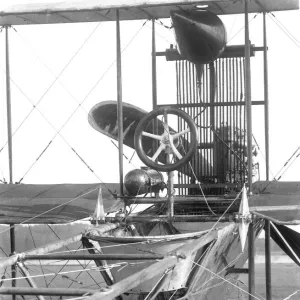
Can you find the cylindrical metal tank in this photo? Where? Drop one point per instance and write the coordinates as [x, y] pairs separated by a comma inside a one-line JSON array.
[[144, 180], [200, 35]]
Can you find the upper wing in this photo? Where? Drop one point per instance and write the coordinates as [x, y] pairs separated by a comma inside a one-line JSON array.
[[52, 203], [104, 10]]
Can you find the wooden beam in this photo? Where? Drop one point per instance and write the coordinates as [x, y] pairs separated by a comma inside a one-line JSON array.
[[45, 291], [92, 257], [175, 218], [29, 279]]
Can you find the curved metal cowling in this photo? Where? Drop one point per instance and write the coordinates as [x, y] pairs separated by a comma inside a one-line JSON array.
[[200, 35]]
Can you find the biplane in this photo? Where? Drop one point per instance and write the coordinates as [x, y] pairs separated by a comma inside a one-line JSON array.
[[200, 198]]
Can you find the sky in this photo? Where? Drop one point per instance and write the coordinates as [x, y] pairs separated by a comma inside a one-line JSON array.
[[38, 53]]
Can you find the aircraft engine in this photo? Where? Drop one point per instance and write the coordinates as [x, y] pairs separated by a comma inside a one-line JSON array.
[[144, 180]]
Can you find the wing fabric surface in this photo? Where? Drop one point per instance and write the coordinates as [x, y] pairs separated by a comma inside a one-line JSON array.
[[71, 11], [52, 203]]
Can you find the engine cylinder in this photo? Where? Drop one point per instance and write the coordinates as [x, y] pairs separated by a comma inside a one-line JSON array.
[[142, 181]]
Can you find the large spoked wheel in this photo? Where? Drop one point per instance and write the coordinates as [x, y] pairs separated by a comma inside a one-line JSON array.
[[168, 142]]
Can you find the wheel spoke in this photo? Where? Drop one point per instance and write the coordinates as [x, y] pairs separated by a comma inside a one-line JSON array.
[[154, 136], [158, 151], [178, 134], [175, 151], [165, 123]]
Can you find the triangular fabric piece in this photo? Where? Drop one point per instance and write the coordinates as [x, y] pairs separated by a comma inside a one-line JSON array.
[[287, 239]]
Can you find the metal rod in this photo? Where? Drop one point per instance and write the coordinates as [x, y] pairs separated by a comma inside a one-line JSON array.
[[230, 51], [230, 103], [154, 88], [29, 279], [251, 261], [8, 101], [12, 250], [266, 97], [119, 98], [92, 257], [268, 261], [248, 97], [154, 81], [45, 291], [176, 218], [181, 199]]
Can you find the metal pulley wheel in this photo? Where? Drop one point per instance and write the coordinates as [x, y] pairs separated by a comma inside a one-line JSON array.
[[168, 140]]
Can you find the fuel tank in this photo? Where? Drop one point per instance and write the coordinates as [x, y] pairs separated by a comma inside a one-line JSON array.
[[144, 180], [201, 35]]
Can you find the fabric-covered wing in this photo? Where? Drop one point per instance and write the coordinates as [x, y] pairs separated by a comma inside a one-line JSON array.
[[276, 201], [53, 203], [72, 11]]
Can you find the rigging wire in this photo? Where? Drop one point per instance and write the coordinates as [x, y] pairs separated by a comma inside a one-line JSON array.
[[116, 265], [69, 252], [51, 209], [40, 263], [288, 166], [284, 29], [224, 279], [232, 37], [262, 154], [285, 164], [58, 132], [124, 155]]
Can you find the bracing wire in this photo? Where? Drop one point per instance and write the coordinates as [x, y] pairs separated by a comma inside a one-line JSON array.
[[284, 29], [69, 252], [33, 240], [224, 279], [58, 132]]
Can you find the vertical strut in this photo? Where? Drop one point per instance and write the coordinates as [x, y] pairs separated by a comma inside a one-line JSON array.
[[119, 97], [12, 250], [8, 101], [248, 97], [9, 135], [251, 261], [268, 261], [266, 97]]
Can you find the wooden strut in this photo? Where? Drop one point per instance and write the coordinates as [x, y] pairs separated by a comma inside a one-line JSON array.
[[29, 279], [155, 269], [91, 257], [178, 199], [45, 291], [175, 218]]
